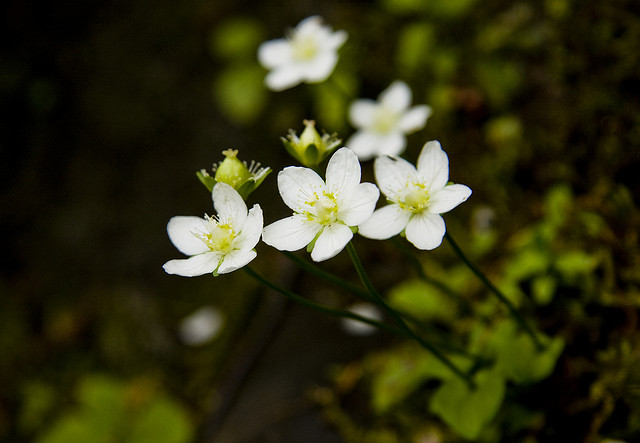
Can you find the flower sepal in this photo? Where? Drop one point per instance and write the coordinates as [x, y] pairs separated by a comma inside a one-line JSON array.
[[244, 179], [310, 148]]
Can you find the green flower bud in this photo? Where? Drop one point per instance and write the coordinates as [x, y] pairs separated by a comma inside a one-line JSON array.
[[244, 179], [310, 148]]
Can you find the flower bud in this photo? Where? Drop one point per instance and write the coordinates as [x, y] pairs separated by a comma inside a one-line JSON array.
[[310, 148], [244, 179]]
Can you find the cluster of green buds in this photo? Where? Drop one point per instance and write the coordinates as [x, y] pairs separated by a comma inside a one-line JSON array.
[[242, 177], [310, 148]]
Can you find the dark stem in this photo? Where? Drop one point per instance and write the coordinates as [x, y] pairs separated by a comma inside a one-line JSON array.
[[318, 307], [399, 321], [521, 321]]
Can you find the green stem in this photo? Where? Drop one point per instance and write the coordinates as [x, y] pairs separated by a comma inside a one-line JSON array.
[[400, 323], [413, 260], [318, 307], [521, 321], [331, 278]]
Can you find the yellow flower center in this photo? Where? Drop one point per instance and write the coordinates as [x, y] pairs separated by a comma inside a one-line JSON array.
[[326, 209], [218, 236], [304, 47], [416, 198], [384, 120]]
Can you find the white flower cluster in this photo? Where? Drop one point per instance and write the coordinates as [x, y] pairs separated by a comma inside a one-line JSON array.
[[326, 213]]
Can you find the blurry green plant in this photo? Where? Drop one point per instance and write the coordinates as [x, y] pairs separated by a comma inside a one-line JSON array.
[[111, 410]]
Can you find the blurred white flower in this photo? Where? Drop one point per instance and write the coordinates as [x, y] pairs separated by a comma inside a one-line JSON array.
[[356, 327], [382, 124], [219, 244], [200, 326], [323, 213], [308, 54], [417, 197]]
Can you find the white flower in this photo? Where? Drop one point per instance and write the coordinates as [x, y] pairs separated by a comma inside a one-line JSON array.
[[308, 54], [323, 213], [200, 326], [382, 125], [416, 196], [219, 244]]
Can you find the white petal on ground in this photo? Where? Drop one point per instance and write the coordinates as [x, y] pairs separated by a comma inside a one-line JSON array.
[[433, 166], [343, 171], [194, 266], [425, 230], [396, 97], [229, 205], [291, 233], [181, 231], [333, 239], [448, 198], [358, 204], [357, 327], [200, 326], [392, 175], [297, 186], [385, 222], [414, 119]]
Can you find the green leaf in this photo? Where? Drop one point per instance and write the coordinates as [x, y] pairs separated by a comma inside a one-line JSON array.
[[544, 288], [414, 42], [468, 411], [400, 372], [103, 402], [517, 356], [74, 428], [162, 422], [240, 92], [572, 264], [236, 38], [422, 300]]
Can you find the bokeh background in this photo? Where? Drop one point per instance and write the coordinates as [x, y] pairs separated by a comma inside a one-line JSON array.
[[110, 107]]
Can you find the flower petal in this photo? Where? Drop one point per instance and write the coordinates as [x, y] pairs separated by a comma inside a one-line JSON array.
[[192, 267], [392, 175], [320, 68], [337, 39], [365, 144], [291, 233], [414, 119], [433, 166], [235, 260], [230, 206], [358, 204], [425, 230], [362, 112], [343, 172], [297, 186], [251, 230], [333, 239], [392, 144], [396, 97], [284, 77], [274, 53], [385, 222], [448, 198], [181, 231]]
